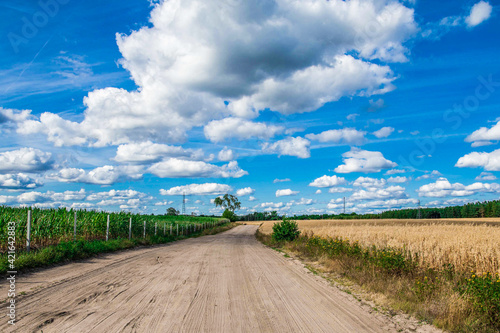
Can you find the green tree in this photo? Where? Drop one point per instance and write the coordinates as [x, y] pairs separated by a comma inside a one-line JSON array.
[[231, 216], [228, 201], [172, 211]]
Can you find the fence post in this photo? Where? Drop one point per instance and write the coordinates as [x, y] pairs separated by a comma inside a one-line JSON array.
[[107, 229], [28, 232], [164, 227], [130, 229], [156, 228], [74, 228], [170, 229], [144, 235], [177, 230]]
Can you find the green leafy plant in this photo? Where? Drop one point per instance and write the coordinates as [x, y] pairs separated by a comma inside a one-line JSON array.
[[483, 290], [285, 231]]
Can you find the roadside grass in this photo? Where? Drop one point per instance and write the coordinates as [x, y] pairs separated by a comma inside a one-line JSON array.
[[456, 301], [81, 249]]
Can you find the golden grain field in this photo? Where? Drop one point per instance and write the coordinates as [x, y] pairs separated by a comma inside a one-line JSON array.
[[468, 244]]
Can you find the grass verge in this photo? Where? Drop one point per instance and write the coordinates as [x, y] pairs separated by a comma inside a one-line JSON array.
[[456, 301], [68, 251]]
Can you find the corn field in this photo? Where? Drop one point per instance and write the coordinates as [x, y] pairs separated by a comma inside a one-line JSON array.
[[52, 226]]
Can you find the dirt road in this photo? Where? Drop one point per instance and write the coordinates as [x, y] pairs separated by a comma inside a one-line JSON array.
[[223, 283]]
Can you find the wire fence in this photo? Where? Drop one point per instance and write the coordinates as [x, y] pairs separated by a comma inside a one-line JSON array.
[[36, 228]]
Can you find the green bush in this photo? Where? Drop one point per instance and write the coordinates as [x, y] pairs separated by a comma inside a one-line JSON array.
[[231, 216], [484, 293], [285, 231]]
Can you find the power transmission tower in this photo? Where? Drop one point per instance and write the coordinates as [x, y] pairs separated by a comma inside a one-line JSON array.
[[184, 204], [419, 215]]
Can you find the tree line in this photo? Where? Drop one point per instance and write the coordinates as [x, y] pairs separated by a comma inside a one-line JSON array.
[[470, 210]]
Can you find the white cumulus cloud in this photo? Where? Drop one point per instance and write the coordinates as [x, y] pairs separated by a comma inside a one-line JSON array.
[[328, 181], [486, 176], [349, 136], [487, 161], [442, 188], [398, 179], [177, 168], [279, 61], [391, 192], [198, 189], [226, 155], [479, 13], [302, 201], [339, 190], [18, 182], [245, 191], [285, 192], [28, 160], [484, 136], [105, 175], [369, 182], [384, 132], [395, 172], [149, 152], [9, 118], [298, 147], [358, 160], [241, 129]]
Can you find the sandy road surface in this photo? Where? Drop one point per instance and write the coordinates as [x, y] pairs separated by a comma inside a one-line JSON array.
[[223, 283]]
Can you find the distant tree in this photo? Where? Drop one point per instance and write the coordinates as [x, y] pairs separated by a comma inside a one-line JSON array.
[[482, 211], [228, 201], [172, 211]]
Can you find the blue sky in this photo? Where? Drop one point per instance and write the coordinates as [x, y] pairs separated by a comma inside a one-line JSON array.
[[289, 105]]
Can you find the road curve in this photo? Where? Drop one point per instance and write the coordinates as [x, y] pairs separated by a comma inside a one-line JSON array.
[[223, 283]]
